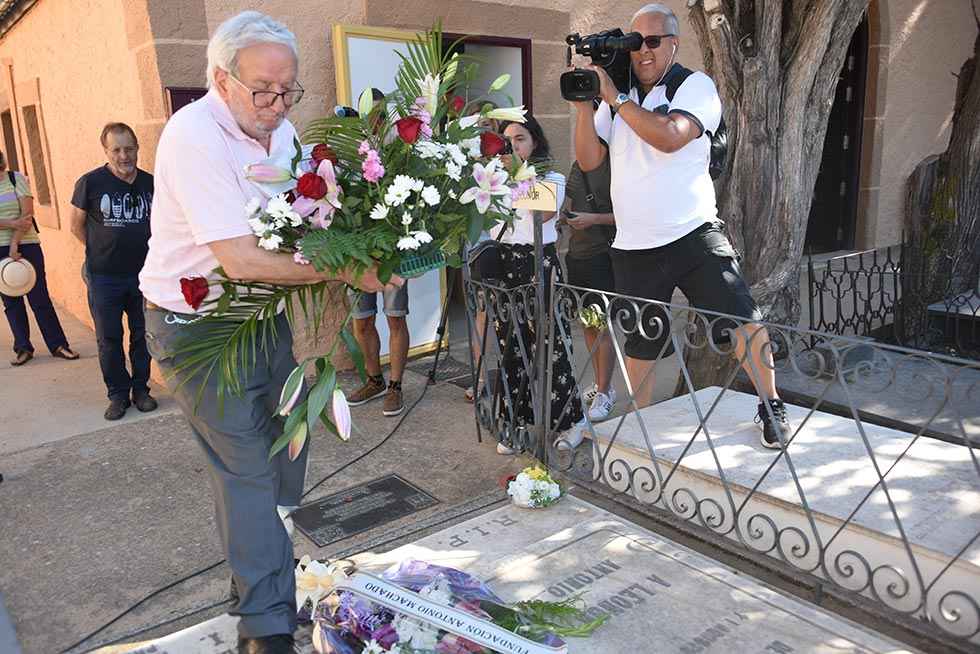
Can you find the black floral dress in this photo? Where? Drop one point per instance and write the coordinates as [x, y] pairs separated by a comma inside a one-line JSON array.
[[518, 342]]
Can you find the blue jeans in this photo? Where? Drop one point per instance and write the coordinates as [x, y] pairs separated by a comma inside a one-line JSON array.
[[44, 313], [109, 296]]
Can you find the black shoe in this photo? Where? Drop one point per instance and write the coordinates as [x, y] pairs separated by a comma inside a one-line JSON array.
[[277, 644], [117, 409], [144, 402], [775, 429]]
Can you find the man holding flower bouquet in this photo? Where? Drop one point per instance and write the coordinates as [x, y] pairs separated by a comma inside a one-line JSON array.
[[199, 225]]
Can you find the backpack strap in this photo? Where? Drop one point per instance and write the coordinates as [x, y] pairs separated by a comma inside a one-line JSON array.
[[589, 195]]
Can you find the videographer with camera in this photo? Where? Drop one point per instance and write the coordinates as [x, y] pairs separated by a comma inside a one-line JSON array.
[[667, 229]]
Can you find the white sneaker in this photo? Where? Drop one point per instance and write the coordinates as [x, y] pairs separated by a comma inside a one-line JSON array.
[[504, 450], [590, 394], [287, 522], [602, 405], [570, 439]]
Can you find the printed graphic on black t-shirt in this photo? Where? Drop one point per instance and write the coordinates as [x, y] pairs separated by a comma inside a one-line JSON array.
[[117, 220]]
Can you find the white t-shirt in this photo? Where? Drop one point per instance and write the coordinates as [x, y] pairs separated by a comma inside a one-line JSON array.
[[200, 195], [523, 231], [659, 197]]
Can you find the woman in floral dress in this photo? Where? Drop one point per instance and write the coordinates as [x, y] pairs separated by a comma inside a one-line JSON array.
[[517, 344]]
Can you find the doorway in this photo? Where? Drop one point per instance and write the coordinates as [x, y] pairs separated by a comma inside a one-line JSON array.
[[833, 212]]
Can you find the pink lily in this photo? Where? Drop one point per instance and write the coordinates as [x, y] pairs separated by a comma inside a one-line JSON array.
[[341, 414], [287, 409], [298, 440], [490, 182], [325, 206], [264, 173]]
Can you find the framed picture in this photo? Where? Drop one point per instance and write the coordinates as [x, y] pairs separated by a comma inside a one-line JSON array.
[[366, 57]]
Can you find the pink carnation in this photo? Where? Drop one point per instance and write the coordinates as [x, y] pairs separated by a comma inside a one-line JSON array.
[[364, 148], [300, 259], [372, 168]]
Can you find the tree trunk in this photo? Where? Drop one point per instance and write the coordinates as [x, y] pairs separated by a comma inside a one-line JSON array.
[[776, 65], [941, 257]]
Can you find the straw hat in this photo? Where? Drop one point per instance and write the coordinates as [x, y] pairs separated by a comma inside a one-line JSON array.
[[16, 277]]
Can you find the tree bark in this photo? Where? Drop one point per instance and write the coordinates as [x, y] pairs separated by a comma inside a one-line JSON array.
[[941, 257], [776, 65]]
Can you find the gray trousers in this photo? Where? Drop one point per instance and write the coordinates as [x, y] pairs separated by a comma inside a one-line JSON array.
[[247, 486]]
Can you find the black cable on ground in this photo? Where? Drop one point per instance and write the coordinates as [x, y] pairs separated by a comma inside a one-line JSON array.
[[425, 388]]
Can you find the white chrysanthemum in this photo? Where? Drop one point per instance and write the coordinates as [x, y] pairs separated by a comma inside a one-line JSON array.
[[418, 185], [252, 207], [429, 149], [379, 212], [454, 171], [456, 153], [402, 182], [431, 195], [270, 242], [406, 219], [258, 226], [422, 237], [294, 219], [472, 147], [278, 207], [451, 193], [408, 243], [396, 196]]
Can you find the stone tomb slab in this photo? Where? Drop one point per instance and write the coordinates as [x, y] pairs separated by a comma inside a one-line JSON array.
[[659, 596]]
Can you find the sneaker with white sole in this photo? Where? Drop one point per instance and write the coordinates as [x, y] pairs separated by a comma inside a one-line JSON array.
[[602, 405], [571, 438], [590, 394], [504, 450], [775, 429]]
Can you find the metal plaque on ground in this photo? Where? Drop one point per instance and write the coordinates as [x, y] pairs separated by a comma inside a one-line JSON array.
[[360, 508]]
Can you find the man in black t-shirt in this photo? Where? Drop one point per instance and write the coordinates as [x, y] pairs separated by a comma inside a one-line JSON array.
[[111, 217]]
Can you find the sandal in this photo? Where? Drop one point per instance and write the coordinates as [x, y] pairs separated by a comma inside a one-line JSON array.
[[22, 357], [63, 352]]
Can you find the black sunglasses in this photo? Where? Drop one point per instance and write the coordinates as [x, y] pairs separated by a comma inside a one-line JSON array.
[[653, 41]]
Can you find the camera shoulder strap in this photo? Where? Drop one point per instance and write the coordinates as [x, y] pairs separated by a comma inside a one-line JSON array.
[[589, 195]]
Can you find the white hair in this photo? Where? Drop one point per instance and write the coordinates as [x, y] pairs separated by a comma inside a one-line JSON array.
[[241, 31], [671, 26]]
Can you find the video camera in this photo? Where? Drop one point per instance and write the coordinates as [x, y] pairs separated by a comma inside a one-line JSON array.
[[609, 49]]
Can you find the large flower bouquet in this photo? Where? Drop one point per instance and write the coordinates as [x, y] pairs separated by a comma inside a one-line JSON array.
[[346, 623], [402, 186]]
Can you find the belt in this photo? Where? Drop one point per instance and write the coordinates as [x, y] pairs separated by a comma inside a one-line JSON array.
[[172, 317]]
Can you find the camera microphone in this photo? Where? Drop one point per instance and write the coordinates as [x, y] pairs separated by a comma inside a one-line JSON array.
[[345, 112]]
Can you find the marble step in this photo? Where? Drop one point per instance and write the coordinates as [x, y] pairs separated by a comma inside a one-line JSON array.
[[659, 596], [820, 507]]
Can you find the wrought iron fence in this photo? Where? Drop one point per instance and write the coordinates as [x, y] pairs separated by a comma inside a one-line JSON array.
[[876, 294], [854, 294], [875, 492]]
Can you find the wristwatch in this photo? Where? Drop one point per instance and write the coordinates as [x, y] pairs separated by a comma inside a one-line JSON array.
[[620, 99]]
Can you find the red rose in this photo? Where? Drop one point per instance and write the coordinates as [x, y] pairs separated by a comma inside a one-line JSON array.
[[491, 144], [194, 289], [312, 186], [409, 129], [322, 151], [457, 104]]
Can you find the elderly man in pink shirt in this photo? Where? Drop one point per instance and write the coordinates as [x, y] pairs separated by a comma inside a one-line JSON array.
[[199, 223]]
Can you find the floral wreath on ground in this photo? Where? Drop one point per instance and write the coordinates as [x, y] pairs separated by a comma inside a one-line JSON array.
[[403, 186], [345, 623]]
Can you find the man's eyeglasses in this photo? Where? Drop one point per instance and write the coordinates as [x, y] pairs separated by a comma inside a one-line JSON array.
[[263, 99], [653, 41]]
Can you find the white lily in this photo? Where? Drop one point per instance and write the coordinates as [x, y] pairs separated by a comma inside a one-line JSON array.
[[469, 121], [429, 92], [525, 172], [509, 114], [490, 182], [315, 580]]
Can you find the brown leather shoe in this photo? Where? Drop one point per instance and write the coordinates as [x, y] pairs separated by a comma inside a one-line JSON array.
[[369, 391], [393, 402]]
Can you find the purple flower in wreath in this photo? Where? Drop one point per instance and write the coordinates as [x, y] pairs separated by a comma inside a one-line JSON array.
[[385, 635]]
